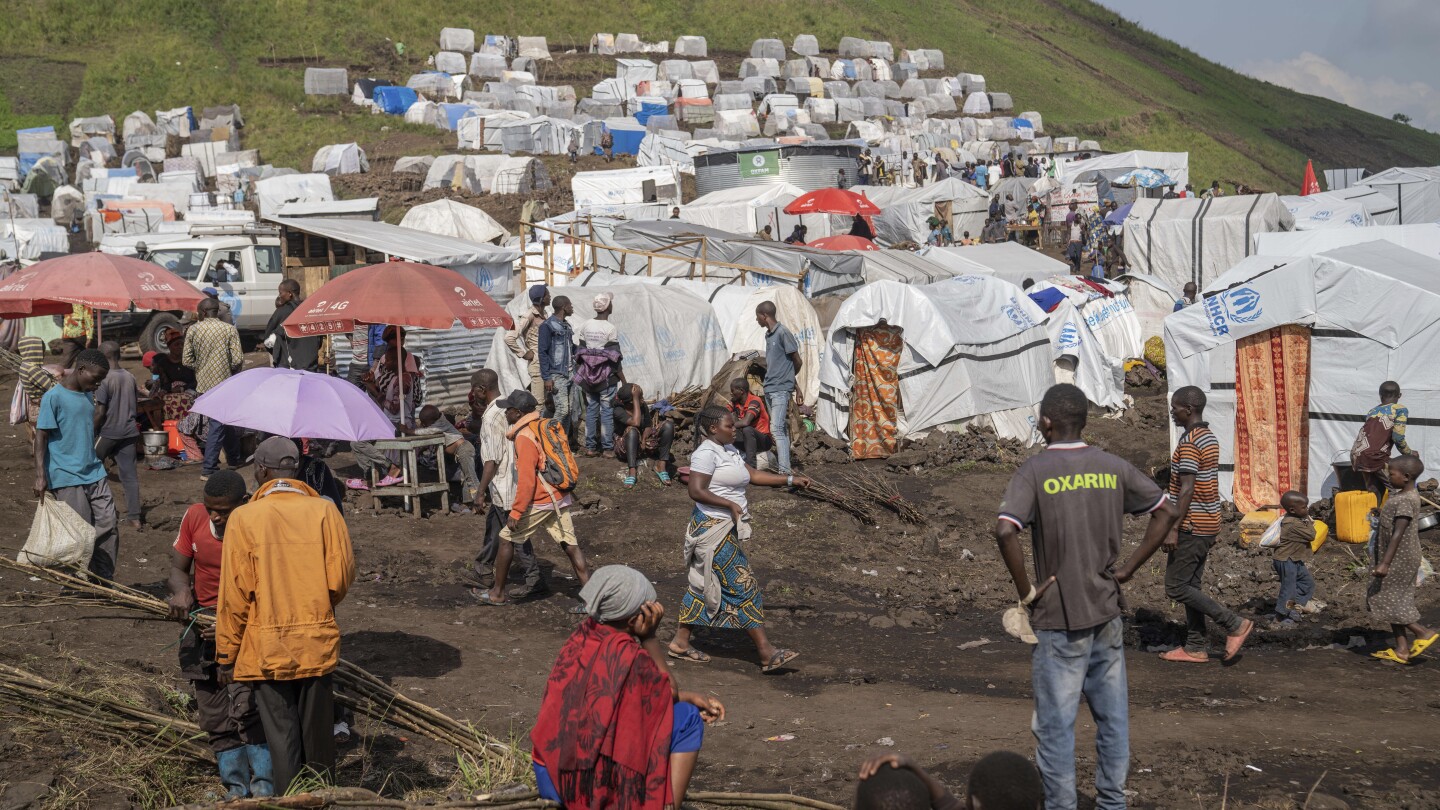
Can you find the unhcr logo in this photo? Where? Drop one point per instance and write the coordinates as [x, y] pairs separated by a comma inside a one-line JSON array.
[[1219, 326], [1070, 336], [1243, 304]]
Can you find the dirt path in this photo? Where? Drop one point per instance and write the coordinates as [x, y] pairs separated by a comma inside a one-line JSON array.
[[887, 633]]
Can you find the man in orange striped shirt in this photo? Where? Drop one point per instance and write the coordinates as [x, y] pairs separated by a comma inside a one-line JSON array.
[[1195, 488]]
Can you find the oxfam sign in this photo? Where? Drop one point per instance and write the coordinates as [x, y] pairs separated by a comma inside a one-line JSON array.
[[760, 164]]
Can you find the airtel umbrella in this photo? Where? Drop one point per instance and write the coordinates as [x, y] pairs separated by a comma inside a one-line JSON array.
[[844, 242], [297, 404], [100, 281], [400, 293], [832, 201]]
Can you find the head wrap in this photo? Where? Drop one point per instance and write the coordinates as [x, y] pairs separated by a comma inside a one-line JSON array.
[[616, 592], [602, 301]]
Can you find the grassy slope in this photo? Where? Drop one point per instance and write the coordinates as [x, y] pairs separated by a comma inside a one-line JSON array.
[[1084, 70]]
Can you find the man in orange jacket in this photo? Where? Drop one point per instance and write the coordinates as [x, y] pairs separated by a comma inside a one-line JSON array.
[[286, 563]]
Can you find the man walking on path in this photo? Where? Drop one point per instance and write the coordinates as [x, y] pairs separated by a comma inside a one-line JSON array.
[[115, 424], [285, 351], [557, 361], [286, 564], [497, 481], [212, 348], [1074, 498], [782, 365], [1195, 489], [65, 462]]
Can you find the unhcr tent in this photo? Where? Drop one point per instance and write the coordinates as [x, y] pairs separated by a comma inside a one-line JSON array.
[[745, 209], [452, 218], [1176, 165], [340, 158], [975, 352], [1183, 240], [1152, 299], [1010, 261], [1298, 347], [905, 211], [1356, 207], [1419, 238], [1416, 192], [1092, 334]]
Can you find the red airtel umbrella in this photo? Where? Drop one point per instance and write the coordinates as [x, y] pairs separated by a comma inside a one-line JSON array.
[[99, 281], [832, 201], [399, 293], [843, 242]]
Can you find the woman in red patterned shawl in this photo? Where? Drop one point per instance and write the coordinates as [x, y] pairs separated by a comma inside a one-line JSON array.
[[615, 731]]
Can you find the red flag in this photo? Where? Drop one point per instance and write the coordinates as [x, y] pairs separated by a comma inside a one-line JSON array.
[[1310, 185]]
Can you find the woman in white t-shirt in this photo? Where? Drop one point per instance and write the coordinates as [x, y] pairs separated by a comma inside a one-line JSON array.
[[723, 590]]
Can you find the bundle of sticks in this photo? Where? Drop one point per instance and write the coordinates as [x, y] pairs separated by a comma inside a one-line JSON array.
[[886, 494], [845, 501], [689, 401], [356, 688]]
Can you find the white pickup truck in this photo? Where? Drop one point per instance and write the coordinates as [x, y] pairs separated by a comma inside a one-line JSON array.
[[245, 265]]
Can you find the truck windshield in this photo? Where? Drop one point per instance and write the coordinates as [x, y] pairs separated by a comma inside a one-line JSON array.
[[183, 262]]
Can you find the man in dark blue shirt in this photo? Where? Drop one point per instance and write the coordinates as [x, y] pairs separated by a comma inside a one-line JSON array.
[[557, 364]]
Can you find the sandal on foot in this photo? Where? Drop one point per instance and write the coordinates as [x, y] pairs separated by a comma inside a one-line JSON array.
[[629, 481], [663, 476], [1422, 644], [687, 654], [1388, 654], [1235, 642], [483, 597], [779, 659], [1184, 656], [357, 485]]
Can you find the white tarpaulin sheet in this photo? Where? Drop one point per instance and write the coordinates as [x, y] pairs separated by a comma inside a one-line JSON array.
[[1419, 238], [974, 346], [625, 186], [272, 192], [904, 211], [1183, 240], [1415, 191], [1176, 165], [1152, 299], [743, 209], [1010, 261], [406, 243], [452, 218]]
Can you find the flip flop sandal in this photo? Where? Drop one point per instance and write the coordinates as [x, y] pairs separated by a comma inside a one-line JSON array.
[[663, 476], [357, 485], [1235, 642], [688, 654], [1389, 655], [1422, 644], [1184, 656], [779, 659], [629, 481], [483, 597]]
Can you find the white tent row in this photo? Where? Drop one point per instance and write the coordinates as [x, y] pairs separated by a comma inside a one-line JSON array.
[[1355, 207], [976, 352], [1184, 240], [1366, 313], [1419, 238]]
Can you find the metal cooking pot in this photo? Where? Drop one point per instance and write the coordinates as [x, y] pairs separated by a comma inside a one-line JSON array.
[[1429, 521]]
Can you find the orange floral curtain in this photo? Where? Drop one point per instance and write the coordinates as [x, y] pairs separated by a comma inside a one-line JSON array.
[[1272, 428], [875, 396]]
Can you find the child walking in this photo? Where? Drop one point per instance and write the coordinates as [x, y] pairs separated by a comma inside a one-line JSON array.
[[1292, 552], [1391, 598]]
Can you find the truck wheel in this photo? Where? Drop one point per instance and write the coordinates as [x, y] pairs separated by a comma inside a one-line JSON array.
[[151, 337]]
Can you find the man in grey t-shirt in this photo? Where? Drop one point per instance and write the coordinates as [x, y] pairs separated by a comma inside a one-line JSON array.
[[782, 364], [116, 428], [1074, 499]]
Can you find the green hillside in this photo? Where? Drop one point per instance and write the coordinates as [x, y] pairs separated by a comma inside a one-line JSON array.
[[1086, 71]]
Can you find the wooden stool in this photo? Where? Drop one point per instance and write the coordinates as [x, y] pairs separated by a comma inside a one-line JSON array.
[[409, 448]]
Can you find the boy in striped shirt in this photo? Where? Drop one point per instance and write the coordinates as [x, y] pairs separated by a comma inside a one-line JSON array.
[[1195, 488]]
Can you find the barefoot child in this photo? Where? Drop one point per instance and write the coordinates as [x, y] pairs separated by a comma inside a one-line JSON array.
[[1297, 532], [1391, 598]]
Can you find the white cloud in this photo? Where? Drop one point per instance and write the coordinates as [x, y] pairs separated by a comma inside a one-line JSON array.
[[1318, 76]]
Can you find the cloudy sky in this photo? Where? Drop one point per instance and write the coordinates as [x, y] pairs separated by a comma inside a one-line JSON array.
[[1382, 56]]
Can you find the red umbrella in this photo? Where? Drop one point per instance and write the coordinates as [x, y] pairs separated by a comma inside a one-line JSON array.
[[400, 293], [95, 280], [843, 242], [832, 201]]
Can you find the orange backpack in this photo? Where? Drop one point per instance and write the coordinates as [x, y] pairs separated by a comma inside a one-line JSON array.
[[557, 466]]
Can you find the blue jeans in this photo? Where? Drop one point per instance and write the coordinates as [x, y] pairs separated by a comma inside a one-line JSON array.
[[216, 437], [1064, 665], [779, 403], [686, 735], [600, 420], [562, 393], [1296, 585]]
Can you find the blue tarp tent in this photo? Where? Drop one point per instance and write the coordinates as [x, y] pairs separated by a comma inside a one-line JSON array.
[[394, 100], [627, 141], [647, 111], [453, 114], [849, 66]]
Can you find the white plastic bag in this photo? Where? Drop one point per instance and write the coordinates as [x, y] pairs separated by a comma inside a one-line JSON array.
[[58, 537], [1271, 537]]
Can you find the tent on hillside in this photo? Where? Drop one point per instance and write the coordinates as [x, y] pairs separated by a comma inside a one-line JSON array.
[[340, 158], [1176, 165], [905, 211], [1420, 238], [1415, 191], [1183, 240], [639, 185], [1356, 207], [975, 352], [453, 218], [1298, 347], [746, 209]]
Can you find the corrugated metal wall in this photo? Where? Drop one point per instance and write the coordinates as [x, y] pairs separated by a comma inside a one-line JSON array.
[[810, 167]]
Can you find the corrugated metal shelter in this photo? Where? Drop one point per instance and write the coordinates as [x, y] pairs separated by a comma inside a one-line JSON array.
[[809, 166]]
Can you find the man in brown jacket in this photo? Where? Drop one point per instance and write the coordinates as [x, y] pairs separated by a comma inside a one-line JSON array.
[[286, 563]]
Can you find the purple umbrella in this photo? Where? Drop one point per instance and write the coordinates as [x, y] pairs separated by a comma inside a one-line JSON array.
[[297, 404]]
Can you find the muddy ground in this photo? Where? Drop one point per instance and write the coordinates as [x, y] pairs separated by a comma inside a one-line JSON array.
[[898, 626]]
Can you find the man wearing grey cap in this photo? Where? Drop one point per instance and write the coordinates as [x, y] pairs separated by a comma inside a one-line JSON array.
[[286, 563], [524, 340]]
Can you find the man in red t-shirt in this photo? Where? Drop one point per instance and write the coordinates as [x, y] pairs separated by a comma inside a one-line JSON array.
[[752, 421], [227, 713]]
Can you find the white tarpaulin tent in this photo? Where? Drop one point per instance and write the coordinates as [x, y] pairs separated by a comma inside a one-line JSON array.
[[1010, 261], [1374, 314], [904, 211], [1356, 207], [340, 158], [1419, 238], [1099, 331], [452, 218], [746, 209], [976, 352], [1152, 299], [1196, 240], [272, 192], [1415, 191], [626, 186], [1176, 165]]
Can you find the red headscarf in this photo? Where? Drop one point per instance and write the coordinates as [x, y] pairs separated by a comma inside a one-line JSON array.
[[604, 727]]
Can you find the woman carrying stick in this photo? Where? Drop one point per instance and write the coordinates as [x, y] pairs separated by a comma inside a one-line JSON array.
[[723, 591]]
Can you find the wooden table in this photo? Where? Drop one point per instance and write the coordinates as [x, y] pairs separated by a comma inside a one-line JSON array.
[[1038, 230], [409, 448]]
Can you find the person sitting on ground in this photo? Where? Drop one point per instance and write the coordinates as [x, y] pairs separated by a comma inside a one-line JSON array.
[[430, 421], [765, 234], [641, 433], [1396, 557], [1297, 532], [1001, 780], [752, 421], [859, 227], [226, 712], [614, 728], [797, 236]]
